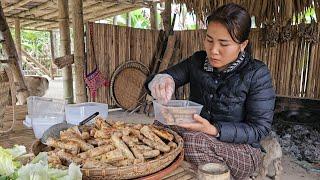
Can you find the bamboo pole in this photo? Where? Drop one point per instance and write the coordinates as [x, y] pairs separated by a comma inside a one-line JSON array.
[[17, 31], [128, 19], [38, 64], [32, 19], [9, 47], [16, 5], [52, 54], [65, 48], [109, 13], [78, 28], [166, 16], [153, 17]]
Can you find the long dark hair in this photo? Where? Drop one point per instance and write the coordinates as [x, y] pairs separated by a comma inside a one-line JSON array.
[[237, 21]]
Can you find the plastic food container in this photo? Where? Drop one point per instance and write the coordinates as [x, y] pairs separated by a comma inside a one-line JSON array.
[[176, 111], [75, 113], [40, 123], [43, 106]]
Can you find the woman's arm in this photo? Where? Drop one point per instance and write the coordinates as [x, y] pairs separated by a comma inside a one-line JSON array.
[[179, 72], [260, 109]]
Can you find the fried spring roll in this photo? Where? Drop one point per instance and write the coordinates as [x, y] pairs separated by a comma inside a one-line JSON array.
[[146, 131], [101, 123], [162, 133], [113, 156], [156, 145], [85, 135], [172, 144], [71, 146], [151, 154], [82, 144], [53, 158], [96, 151], [122, 146], [130, 141], [68, 158]]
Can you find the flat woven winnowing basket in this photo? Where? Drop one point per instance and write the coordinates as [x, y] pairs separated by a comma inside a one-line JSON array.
[[127, 172], [127, 81]]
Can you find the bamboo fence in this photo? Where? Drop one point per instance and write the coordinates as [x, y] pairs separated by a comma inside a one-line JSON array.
[[294, 64]]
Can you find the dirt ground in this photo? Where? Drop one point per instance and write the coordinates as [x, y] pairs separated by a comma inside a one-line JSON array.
[[293, 171]]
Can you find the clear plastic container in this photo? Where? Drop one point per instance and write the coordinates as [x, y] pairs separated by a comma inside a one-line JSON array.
[[40, 123], [176, 111], [75, 113], [43, 106]]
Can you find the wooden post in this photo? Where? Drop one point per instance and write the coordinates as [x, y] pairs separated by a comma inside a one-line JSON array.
[[166, 16], [17, 32], [128, 19], [65, 48], [153, 17], [52, 54], [78, 29], [10, 49]]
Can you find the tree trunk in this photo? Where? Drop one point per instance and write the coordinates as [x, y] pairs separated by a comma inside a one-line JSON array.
[[78, 28], [65, 48], [10, 49]]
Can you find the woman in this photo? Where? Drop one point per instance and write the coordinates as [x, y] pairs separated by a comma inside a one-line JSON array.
[[235, 90]]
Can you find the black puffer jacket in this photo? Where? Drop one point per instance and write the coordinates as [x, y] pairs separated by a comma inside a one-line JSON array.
[[240, 102]]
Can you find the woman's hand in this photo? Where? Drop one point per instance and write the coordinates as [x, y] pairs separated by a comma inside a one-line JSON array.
[[201, 125], [162, 88]]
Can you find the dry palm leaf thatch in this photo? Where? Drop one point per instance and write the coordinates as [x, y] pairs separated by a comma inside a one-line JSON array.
[[263, 10]]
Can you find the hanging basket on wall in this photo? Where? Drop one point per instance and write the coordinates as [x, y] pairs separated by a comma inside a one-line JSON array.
[[127, 84]]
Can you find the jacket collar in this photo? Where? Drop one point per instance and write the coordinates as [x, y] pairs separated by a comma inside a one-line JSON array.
[[231, 67]]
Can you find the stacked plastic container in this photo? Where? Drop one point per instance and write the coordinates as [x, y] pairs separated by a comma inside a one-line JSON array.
[[176, 111], [75, 113], [44, 113]]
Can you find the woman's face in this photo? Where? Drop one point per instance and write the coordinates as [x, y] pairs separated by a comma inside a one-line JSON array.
[[220, 47]]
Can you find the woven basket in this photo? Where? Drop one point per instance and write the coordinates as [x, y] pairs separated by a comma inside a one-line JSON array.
[[127, 81], [128, 172], [6, 87]]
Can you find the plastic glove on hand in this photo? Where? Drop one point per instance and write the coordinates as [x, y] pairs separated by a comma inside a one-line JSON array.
[[162, 88]]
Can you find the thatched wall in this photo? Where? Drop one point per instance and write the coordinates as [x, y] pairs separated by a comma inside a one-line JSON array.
[[294, 64]]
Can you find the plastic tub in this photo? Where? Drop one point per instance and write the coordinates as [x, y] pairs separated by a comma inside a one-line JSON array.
[[75, 113], [176, 111], [40, 123], [42, 106]]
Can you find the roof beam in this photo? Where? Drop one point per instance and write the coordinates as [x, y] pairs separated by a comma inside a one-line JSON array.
[[16, 5], [31, 19]]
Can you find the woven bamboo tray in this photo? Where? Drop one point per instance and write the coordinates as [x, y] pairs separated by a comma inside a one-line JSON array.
[[127, 82], [127, 172]]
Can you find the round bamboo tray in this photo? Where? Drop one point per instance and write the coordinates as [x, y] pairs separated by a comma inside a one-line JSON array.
[[127, 83], [127, 172]]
